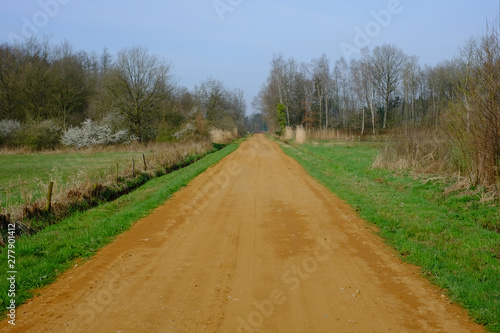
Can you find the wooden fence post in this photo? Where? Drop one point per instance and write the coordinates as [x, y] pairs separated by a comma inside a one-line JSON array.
[[133, 168], [144, 160], [117, 173], [49, 197]]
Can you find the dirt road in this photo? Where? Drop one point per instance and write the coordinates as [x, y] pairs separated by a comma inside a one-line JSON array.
[[252, 245]]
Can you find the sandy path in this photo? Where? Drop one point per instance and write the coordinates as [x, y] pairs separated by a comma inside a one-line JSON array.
[[252, 245]]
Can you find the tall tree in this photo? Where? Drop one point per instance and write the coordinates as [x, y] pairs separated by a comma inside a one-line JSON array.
[[73, 87], [412, 76], [476, 114], [10, 70], [343, 93], [388, 63], [139, 86], [213, 98], [322, 85]]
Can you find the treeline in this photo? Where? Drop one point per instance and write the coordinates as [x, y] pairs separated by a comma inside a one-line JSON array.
[[46, 89], [386, 89]]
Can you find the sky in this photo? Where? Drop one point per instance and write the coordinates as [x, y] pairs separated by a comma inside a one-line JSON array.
[[235, 40]]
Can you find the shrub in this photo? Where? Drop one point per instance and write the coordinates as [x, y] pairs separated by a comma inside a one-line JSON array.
[[226, 124], [45, 135], [186, 133], [9, 127], [473, 121], [8, 131], [91, 134], [282, 117], [115, 120]]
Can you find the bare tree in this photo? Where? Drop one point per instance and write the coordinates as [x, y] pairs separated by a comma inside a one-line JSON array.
[[105, 61], [411, 81], [362, 76], [267, 101], [139, 86], [282, 87], [237, 107], [283, 81], [73, 84], [343, 84], [213, 98], [388, 64], [322, 85], [441, 84], [302, 98], [476, 126]]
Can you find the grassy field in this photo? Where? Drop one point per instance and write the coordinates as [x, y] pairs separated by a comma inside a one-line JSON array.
[[454, 236], [40, 258], [24, 177], [24, 173]]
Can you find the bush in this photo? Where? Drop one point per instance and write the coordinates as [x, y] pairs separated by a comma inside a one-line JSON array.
[[473, 120], [282, 117], [91, 135], [115, 120], [188, 132], [9, 127], [165, 132], [8, 131], [39, 136], [226, 124]]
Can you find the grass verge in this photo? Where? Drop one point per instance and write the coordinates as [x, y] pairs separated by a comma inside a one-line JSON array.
[[42, 257], [453, 237]]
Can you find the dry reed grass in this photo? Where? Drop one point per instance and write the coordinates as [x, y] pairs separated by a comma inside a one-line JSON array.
[[220, 136], [288, 133], [332, 134], [423, 151], [300, 135]]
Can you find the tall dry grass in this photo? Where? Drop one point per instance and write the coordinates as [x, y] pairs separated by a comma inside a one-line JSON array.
[[221, 136], [423, 151], [300, 135], [289, 135], [332, 134]]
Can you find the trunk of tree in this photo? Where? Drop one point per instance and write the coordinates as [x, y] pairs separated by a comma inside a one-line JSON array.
[[385, 111], [363, 123], [326, 112]]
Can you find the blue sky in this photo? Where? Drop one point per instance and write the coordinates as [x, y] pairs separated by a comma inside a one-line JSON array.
[[234, 40]]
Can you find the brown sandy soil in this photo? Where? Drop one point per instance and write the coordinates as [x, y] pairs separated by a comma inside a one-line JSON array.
[[252, 245]]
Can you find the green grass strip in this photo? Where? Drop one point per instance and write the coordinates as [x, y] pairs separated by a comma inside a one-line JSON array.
[[42, 257], [442, 233]]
